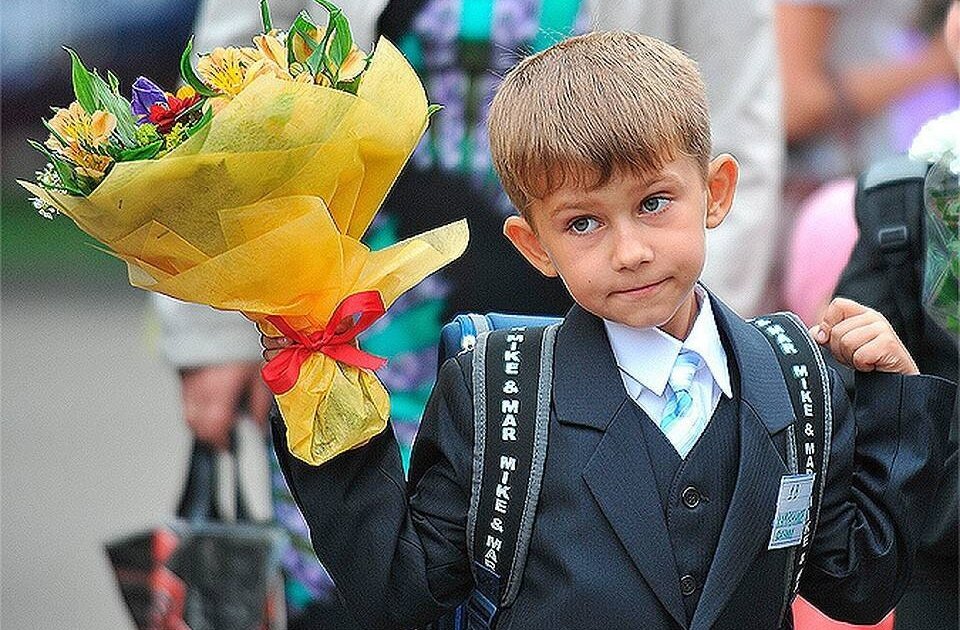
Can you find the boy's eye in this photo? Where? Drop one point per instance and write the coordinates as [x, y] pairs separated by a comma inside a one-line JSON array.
[[584, 225], [654, 205]]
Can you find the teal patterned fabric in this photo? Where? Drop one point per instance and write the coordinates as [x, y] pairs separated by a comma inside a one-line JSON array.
[[461, 50]]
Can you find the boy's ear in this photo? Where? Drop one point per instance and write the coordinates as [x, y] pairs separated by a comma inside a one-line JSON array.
[[521, 234], [723, 172]]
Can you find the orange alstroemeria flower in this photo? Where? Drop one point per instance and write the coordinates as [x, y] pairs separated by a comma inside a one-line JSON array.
[[74, 124], [226, 69]]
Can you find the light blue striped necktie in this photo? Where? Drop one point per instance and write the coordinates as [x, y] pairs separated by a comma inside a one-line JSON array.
[[683, 419]]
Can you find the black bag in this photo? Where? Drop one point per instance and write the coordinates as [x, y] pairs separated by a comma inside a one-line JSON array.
[[885, 270], [201, 572]]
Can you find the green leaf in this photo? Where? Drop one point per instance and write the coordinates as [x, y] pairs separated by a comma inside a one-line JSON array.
[[342, 38], [303, 26], [54, 133], [265, 16], [82, 87], [316, 61], [146, 152], [433, 109], [338, 27], [109, 101], [350, 87], [189, 74], [114, 83], [93, 94]]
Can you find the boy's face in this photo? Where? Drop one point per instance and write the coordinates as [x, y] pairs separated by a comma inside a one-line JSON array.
[[630, 251]]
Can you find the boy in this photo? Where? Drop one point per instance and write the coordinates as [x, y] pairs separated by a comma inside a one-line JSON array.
[[603, 142]]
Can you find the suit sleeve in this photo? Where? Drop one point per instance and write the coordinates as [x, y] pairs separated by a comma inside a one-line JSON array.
[[396, 550], [885, 464]]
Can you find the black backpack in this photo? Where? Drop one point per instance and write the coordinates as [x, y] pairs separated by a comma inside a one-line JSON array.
[[513, 369], [885, 271]]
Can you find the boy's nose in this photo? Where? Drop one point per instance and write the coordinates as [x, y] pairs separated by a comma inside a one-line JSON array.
[[630, 250]]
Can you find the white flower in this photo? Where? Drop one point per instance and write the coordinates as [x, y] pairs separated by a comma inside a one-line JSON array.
[[44, 210], [939, 139]]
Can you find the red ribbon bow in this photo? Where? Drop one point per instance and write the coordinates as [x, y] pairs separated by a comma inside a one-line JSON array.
[[360, 309]]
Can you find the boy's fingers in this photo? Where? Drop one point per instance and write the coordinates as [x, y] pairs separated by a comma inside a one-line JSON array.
[[865, 358], [877, 354], [819, 334], [840, 309], [845, 345], [275, 343], [824, 332], [852, 323]]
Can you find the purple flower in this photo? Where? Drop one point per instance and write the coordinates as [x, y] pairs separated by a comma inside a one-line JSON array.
[[146, 93]]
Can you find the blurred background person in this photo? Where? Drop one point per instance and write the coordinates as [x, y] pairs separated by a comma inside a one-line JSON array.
[[819, 247], [735, 46], [859, 78]]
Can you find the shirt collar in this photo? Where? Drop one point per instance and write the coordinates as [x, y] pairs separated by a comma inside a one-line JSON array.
[[647, 355]]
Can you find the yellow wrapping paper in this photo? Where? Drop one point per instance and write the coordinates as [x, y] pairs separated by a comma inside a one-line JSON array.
[[262, 211]]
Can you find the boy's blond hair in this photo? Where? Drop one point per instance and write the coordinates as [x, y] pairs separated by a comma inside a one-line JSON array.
[[587, 106]]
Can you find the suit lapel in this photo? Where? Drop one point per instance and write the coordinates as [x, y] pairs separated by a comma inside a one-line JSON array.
[[589, 392], [621, 478], [765, 409]]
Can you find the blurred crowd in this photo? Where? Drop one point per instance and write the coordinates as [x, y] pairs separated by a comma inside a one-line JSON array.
[[806, 94]]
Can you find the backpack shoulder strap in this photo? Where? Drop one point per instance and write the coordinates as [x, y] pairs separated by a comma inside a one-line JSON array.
[[512, 383], [808, 438]]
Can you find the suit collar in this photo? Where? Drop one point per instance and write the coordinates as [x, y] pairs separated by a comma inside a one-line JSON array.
[[746, 527], [765, 410], [588, 392], [621, 479], [762, 387], [588, 389]]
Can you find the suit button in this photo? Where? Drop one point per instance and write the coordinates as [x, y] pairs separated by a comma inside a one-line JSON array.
[[690, 497], [688, 585]]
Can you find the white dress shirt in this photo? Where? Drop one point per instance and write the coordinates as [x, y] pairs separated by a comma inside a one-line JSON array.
[[646, 356]]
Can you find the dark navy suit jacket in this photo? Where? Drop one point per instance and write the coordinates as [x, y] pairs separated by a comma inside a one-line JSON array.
[[600, 555]]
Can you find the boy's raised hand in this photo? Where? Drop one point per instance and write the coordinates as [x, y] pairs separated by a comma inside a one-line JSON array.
[[862, 338]]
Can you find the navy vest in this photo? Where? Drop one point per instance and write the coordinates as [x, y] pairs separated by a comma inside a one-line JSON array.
[[696, 492]]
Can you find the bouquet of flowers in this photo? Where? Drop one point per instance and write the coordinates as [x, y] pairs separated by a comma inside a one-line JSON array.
[[939, 143], [249, 189]]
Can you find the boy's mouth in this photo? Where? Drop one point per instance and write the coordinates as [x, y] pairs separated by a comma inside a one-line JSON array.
[[643, 290]]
